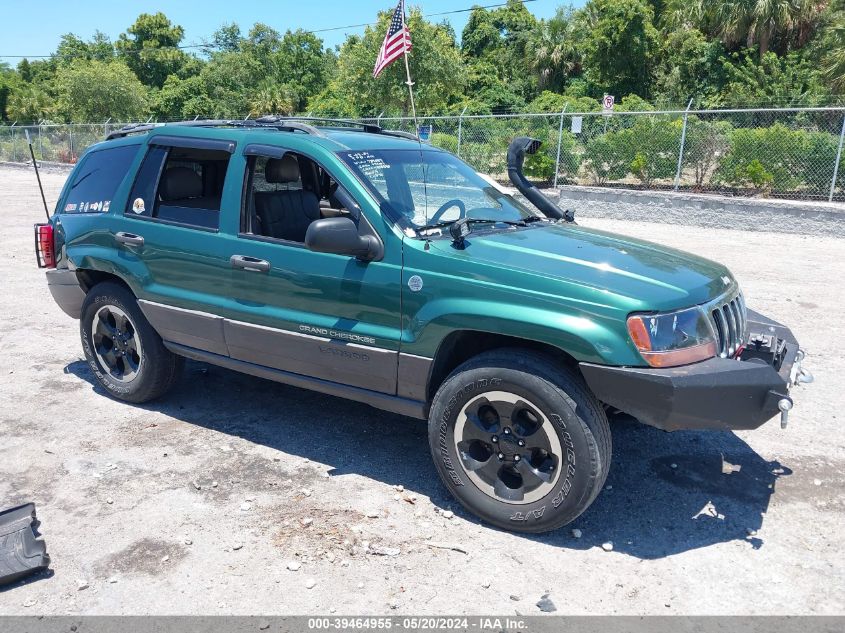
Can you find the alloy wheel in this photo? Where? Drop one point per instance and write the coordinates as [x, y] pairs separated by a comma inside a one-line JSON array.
[[508, 447]]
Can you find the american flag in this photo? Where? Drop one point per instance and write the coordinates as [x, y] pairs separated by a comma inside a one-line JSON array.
[[397, 41]]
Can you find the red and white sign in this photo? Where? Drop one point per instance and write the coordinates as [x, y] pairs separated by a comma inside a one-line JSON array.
[[607, 103]]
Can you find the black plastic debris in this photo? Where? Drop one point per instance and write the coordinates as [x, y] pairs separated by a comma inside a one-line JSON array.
[[21, 553]]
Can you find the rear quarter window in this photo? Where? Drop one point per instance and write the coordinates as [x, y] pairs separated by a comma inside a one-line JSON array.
[[96, 179]]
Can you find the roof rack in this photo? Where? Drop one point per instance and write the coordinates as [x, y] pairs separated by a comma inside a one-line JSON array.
[[283, 124]]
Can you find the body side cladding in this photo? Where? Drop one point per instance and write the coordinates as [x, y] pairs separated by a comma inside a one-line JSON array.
[[386, 402], [412, 376], [326, 358]]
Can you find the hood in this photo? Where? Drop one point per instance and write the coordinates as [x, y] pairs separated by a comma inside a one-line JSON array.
[[646, 275]]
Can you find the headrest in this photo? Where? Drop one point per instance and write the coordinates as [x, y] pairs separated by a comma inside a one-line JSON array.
[[282, 170], [179, 183]]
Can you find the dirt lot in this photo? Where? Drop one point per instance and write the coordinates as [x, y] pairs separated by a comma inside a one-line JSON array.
[[198, 503]]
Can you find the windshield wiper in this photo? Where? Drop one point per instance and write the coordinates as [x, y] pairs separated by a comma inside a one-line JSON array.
[[439, 225]]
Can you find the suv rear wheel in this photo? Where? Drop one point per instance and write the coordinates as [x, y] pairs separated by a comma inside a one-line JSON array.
[[519, 440], [121, 347]]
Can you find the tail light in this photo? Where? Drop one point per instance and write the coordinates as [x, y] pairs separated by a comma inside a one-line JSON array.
[[45, 250]]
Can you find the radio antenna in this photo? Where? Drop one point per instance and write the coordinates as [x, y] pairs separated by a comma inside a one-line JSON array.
[[37, 175]]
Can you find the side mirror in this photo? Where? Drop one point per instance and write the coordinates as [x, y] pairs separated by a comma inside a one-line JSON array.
[[340, 236]]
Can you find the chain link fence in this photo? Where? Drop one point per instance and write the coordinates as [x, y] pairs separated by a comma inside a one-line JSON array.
[[792, 153]]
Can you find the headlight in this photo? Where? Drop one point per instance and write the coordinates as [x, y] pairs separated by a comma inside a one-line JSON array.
[[673, 338]]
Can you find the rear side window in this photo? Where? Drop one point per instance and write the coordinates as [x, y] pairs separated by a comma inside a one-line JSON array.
[[180, 185], [97, 178]]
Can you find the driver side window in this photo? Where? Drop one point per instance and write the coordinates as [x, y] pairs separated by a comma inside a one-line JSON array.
[[283, 196]]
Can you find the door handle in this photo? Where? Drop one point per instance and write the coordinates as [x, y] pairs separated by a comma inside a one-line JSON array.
[[251, 264], [129, 238]]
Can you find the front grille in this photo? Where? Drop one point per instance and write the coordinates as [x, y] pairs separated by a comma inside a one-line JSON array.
[[730, 318]]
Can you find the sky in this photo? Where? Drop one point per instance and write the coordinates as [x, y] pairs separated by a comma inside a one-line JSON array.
[[24, 32]]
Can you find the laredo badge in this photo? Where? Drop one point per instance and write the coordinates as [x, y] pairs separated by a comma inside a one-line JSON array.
[[415, 283], [138, 205]]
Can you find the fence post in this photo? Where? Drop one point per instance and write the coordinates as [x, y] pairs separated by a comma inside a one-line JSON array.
[[559, 143], [378, 118], [40, 142], [70, 127], [14, 144], [461, 128], [836, 166], [681, 150]]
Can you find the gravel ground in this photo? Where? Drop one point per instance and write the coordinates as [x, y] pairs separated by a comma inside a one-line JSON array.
[[235, 495]]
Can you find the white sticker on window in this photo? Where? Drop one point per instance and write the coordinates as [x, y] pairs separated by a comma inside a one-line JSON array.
[[138, 205]]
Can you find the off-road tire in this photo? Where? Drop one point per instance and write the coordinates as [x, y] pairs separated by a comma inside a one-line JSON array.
[[158, 368], [570, 409]]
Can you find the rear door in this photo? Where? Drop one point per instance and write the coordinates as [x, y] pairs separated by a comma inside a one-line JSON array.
[[170, 238], [321, 315]]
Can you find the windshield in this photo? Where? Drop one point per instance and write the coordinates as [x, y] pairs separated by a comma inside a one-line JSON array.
[[423, 188]]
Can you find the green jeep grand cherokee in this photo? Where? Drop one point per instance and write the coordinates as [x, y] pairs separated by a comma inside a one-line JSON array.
[[361, 263]]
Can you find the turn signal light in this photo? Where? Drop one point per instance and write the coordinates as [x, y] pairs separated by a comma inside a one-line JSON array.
[[670, 339]]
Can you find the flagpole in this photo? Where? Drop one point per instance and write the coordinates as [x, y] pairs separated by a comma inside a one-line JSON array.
[[409, 82]]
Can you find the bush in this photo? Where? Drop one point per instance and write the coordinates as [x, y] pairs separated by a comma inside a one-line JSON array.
[[445, 141], [705, 142], [770, 158], [655, 142], [607, 158]]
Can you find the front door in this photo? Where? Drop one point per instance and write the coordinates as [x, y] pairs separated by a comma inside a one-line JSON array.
[[321, 315]]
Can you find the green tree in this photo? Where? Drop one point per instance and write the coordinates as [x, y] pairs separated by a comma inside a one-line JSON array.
[[784, 81], [503, 37], [227, 38], [692, 67], [435, 64], [747, 23], [832, 48], [271, 99], [93, 91], [303, 67], [182, 99], [556, 50], [72, 48], [29, 103], [8, 80], [621, 47], [230, 81], [149, 49]]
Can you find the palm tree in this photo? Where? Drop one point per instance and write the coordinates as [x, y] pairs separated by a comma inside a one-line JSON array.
[[29, 103], [556, 55], [833, 64], [271, 99], [750, 22]]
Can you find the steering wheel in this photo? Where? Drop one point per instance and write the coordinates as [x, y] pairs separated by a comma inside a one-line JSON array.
[[454, 202]]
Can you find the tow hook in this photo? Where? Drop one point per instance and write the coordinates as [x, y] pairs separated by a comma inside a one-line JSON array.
[[797, 376], [785, 406]]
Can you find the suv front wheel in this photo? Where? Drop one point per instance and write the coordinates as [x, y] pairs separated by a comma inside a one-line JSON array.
[[519, 440], [126, 355]]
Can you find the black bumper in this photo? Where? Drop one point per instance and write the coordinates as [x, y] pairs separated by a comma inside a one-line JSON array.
[[719, 393], [66, 291]]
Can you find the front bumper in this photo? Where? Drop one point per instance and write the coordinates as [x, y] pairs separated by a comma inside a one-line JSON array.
[[719, 393]]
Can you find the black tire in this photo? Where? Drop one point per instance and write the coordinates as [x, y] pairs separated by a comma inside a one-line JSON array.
[[568, 408], [157, 369]]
